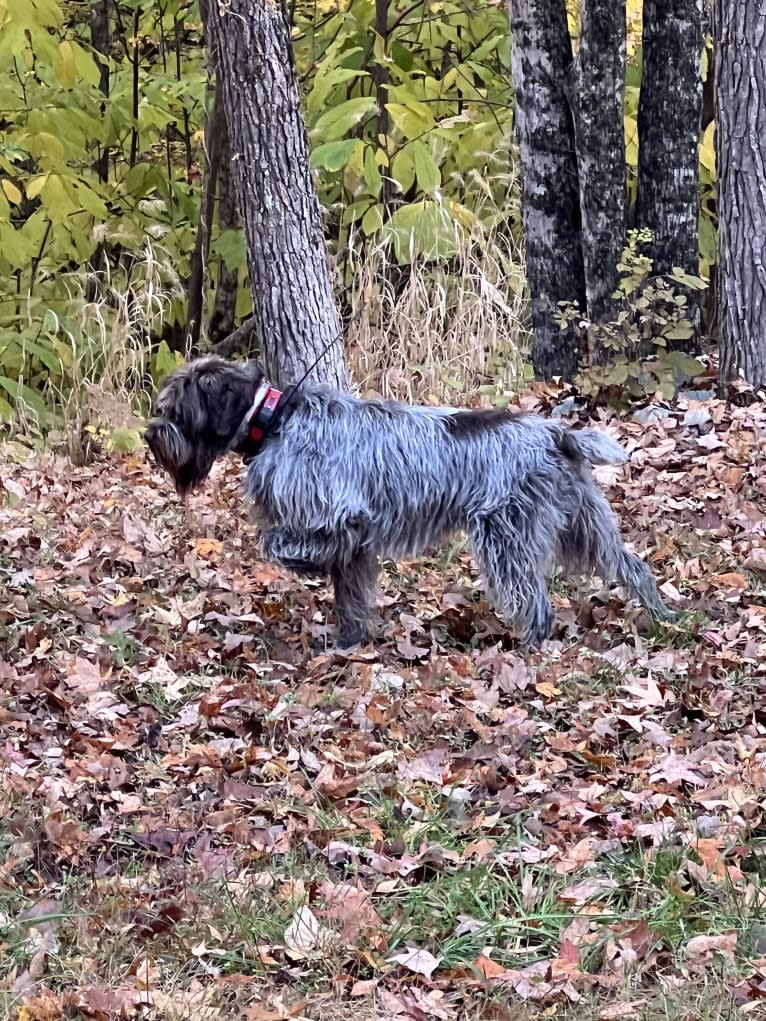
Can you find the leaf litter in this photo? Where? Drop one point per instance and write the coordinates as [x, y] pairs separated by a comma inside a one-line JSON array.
[[190, 773]]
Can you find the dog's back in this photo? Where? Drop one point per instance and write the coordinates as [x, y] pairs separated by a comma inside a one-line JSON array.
[[407, 475]]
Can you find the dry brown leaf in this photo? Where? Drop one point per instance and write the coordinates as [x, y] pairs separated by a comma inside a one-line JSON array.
[[353, 908], [617, 1011], [304, 934], [45, 1005], [701, 949], [209, 549]]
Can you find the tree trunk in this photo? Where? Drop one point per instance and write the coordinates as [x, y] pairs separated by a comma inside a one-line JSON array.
[[198, 278], [598, 101], [669, 113], [294, 311], [382, 80], [541, 60], [740, 68], [227, 285], [101, 40]]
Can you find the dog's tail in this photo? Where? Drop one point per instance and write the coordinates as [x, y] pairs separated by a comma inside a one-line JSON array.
[[590, 445]]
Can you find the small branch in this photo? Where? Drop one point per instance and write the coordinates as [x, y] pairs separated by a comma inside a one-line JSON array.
[[179, 78], [238, 342], [214, 135], [38, 258], [136, 96]]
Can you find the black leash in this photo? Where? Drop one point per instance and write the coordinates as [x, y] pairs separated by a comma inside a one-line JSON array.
[[267, 418], [338, 336]]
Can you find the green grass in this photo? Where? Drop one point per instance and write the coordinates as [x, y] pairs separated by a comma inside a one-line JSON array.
[[458, 911]]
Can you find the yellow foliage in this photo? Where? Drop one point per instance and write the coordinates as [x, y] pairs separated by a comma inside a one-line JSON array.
[[13, 193], [65, 68], [707, 149]]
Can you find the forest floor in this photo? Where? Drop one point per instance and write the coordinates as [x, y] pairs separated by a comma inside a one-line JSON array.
[[207, 813]]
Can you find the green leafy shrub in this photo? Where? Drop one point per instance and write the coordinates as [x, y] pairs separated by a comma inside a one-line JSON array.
[[643, 346]]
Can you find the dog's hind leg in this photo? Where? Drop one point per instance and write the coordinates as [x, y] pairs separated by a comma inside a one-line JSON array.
[[592, 543], [354, 582], [514, 567], [308, 555]]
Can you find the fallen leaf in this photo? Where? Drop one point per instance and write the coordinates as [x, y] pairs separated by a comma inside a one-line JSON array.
[[676, 769], [756, 562], [488, 968], [701, 949], [617, 1011], [209, 549], [304, 934], [45, 1005], [429, 766], [732, 580], [353, 908], [420, 962]]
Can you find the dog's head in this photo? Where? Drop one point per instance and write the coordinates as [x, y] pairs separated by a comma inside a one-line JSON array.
[[198, 413]]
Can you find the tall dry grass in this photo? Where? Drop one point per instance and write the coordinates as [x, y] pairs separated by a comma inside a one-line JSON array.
[[440, 330], [107, 369]]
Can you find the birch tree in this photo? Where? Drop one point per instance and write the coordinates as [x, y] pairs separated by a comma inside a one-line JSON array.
[[541, 61], [669, 114]]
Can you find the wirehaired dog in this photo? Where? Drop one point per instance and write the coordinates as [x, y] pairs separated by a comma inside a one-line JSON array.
[[339, 482]]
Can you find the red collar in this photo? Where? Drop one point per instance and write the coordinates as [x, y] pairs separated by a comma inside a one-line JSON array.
[[260, 418]]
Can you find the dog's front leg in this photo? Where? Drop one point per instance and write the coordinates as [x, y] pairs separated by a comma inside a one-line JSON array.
[[303, 554], [354, 584]]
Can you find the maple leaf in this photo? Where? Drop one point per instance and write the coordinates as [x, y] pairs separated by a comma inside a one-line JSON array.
[[676, 769]]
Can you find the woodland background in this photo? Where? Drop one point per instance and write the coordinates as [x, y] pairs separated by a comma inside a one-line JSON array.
[[103, 176], [205, 812]]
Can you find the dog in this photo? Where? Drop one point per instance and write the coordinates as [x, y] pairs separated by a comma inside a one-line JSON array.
[[339, 482]]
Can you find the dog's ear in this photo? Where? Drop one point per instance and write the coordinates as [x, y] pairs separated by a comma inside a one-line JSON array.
[[226, 392]]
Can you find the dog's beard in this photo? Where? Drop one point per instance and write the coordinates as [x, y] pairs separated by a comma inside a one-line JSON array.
[[187, 464]]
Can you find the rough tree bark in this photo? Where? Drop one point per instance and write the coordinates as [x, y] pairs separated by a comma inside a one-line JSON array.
[[294, 311], [669, 113], [541, 60], [598, 96], [739, 28]]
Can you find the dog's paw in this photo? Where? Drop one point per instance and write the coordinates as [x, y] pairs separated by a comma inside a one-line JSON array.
[[352, 638], [538, 628]]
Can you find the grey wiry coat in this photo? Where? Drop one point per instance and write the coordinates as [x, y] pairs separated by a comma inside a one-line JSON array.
[[341, 482]]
